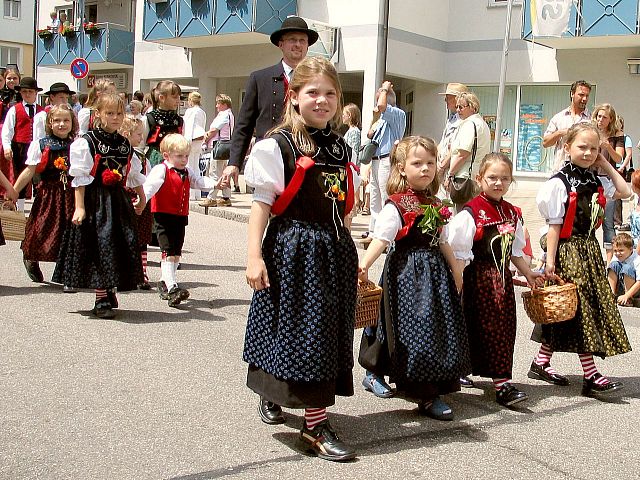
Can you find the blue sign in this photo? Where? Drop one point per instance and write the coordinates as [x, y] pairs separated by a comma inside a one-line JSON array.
[[530, 130], [79, 68]]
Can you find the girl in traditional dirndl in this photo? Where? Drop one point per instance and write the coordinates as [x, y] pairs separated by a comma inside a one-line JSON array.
[[10, 193], [572, 202], [100, 251], [163, 119], [299, 338], [54, 204], [486, 236], [133, 130], [421, 339]]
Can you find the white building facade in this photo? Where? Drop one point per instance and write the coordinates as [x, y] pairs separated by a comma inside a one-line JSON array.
[[17, 35]]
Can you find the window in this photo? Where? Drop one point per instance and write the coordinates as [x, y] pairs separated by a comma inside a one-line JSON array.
[[12, 8], [9, 55]]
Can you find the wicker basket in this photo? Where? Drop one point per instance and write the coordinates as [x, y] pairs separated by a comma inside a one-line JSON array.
[[13, 222], [555, 303], [367, 304]]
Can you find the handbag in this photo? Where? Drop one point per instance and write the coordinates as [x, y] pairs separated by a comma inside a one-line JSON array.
[[367, 151], [627, 174], [463, 189], [222, 150]]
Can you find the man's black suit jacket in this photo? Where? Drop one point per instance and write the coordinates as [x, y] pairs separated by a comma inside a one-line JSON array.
[[261, 110]]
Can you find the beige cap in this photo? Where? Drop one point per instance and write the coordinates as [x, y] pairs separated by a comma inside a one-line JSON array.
[[454, 89]]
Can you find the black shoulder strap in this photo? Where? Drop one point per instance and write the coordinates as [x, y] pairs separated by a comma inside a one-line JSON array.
[[474, 150]]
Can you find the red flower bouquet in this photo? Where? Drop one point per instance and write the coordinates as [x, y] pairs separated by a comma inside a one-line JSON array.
[[111, 177]]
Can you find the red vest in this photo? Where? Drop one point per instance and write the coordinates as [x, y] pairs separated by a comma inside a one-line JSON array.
[[173, 196], [487, 213], [23, 131]]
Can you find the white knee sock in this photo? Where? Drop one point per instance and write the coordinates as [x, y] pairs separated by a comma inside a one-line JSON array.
[[168, 274]]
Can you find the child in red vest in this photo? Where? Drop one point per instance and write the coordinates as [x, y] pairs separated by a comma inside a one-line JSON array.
[[168, 186], [17, 131]]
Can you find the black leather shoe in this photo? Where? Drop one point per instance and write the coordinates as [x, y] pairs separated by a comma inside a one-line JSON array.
[[466, 382], [592, 389], [163, 291], [111, 296], [102, 309], [323, 442], [538, 372], [269, 412], [67, 289], [33, 270], [509, 395], [177, 295]]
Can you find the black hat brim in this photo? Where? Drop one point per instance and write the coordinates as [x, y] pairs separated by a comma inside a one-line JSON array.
[[17, 88], [312, 35], [67, 91]]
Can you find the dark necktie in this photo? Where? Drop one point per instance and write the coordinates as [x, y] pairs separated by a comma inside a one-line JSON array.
[[182, 172], [30, 107]]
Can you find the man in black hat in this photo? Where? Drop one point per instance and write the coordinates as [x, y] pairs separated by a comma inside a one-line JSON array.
[[58, 94], [17, 131], [264, 99]]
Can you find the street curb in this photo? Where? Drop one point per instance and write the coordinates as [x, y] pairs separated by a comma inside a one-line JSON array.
[[228, 213]]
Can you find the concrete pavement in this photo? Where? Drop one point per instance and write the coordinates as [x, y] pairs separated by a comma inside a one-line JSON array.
[[158, 393]]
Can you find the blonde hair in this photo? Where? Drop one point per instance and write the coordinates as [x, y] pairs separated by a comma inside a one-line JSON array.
[[614, 124], [195, 98], [471, 99], [397, 182], [56, 109], [353, 112], [129, 125], [137, 104], [493, 158], [110, 100], [305, 72], [100, 87], [175, 143], [224, 99]]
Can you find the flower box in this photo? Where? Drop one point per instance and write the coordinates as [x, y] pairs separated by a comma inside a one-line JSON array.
[[45, 33], [91, 28], [68, 32]]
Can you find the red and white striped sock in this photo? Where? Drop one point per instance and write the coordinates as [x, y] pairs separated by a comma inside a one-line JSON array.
[[143, 254], [499, 382], [101, 294], [589, 367], [543, 357], [314, 416]]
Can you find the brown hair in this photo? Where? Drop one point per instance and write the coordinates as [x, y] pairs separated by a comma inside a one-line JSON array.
[[623, 240], [100, 87], [107, 101], [397, 182], [166, 88], [491, 158], [305, 72], [635, 180], [353, 112], [614, 125], [224, 99], [56, 109], [573, 132]]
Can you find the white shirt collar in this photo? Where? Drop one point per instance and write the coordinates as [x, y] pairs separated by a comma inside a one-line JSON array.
[[288, 71]]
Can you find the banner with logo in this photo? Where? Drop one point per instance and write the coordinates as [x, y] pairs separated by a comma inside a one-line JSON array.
[[550, 18]]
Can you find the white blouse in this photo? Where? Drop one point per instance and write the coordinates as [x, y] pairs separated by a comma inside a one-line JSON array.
[[264, 171], [461, 230], [552, 197], [81, 162], [84, 115]]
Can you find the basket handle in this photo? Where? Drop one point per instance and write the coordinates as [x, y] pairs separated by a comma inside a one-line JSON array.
[[8, 205], [548, 283]]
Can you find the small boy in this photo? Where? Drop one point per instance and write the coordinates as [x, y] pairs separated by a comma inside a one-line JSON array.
[[624, 270], [168, 186], [17, 131]]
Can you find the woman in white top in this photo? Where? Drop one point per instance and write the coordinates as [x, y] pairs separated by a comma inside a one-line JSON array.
[[195, 124]]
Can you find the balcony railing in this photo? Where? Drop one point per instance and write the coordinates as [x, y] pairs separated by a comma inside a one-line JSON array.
[[188, 22], [592, 23], [105, 46]]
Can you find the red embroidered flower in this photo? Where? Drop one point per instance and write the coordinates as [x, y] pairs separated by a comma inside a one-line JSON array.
[[111, 177], [506, 228]]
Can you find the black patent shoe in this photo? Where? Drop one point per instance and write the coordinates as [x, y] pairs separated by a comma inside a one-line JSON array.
[[176, 295], [538, 372], [102, 309], [33, 270], [111, 296], [466, 382], [323, 442], [270, 413], [163, 291], [509, 395], [592, 389]]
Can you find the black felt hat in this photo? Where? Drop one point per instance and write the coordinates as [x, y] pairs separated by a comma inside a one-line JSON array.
[[28, 82], [59, 87], [294, 24]]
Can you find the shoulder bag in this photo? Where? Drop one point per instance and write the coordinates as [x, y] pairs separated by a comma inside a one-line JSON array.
[[222, 148], [463, 189]]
